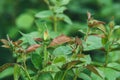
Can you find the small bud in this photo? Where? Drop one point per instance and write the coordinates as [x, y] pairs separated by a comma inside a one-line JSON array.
[[89, 15], [46, 35]]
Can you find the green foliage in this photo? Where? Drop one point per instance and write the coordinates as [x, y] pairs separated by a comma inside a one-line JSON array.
[[45, 76], [36, 60], [92, 42], [48, 54], [44, 14], [24, 21], [16, 72], [62, 50]]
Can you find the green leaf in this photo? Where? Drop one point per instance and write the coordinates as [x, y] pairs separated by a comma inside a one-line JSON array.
[[116, 32], [64, 18], [107, 45], [62, 50], [64, 75], [59, 59], [84, 76], [102, 28], [60, 2], [52, 67], [16, 72], [36, 60], [29, 38], [44, 14], [110, 74], [24, 21], [95, 77], [92, 42], [114, 56], [64, 2], [114, 65], [53, 34], [86, 59], [45, 76], [6, 73], [60, 9], [13, 32], [104, 40], [59, 75]]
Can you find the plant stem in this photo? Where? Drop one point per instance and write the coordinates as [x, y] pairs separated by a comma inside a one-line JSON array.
[[55, 23], [75, 78], [107, 51], [45, 56], [106, 58], [24, 66], [27, 74], [24, 60], [88, 30], [64, 75], [76, 74]]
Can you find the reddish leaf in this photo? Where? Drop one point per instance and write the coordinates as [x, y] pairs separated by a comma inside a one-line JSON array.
[[32, 48], [20, 50], [4, 41], [3, 67], [94, 23], [59, 40], [38, 39], [78, 41], [94, 70], [71, 64], [17, 43], [80, 55]]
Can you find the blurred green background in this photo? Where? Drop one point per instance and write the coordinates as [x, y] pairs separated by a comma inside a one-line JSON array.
[[18, 15]]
